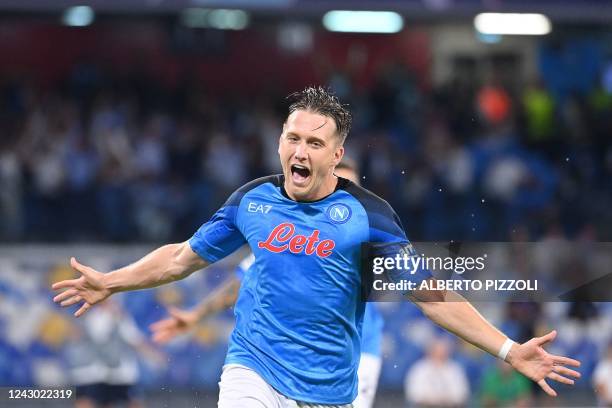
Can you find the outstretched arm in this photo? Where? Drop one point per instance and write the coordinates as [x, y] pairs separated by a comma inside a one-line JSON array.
[[165, 264], [182, 321], [222, 298], [454, 313]]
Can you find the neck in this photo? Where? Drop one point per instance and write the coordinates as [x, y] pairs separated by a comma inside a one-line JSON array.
[[325, 189]]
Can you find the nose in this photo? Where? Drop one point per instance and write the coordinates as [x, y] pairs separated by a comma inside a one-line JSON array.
[[301, 151]]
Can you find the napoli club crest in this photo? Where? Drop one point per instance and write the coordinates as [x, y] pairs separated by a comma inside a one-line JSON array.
[[338, 213]]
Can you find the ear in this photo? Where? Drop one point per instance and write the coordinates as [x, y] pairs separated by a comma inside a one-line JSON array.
[[338, 155]]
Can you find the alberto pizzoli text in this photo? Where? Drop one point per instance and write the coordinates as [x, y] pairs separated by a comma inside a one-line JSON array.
[[401, 265], [459, 285]]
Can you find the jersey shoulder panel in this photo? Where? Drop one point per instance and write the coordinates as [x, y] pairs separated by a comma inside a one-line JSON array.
[[236, 197], [382, 218], [222, 234]]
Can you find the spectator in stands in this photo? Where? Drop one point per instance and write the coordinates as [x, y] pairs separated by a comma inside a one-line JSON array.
[[140, 151], [103, 365], [602, 379], [503, 387], [11, 194], [436, 380]]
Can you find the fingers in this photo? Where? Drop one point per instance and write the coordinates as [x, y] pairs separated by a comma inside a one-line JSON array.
[[85, 270], [544, 385], [181, 316], [162, 324], [84, 308], [68, 298], [566, 371], [560, 378], [73, 300], [65, 295], [64, 284], [547, 338], [174, 312], [566, 361], [70, 283], [164, 331], [162, 337]]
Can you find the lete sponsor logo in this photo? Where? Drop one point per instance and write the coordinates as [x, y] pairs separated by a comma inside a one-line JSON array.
[[283, 238]]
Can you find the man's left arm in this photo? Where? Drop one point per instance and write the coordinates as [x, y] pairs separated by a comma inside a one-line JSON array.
[[454, 313], [182, 321]]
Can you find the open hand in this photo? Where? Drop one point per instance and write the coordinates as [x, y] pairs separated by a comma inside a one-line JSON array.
[[531, 360], [179, 322], [89, 288]]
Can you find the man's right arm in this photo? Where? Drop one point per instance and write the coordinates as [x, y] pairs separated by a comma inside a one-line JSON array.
[[213, 241], [166, 264]]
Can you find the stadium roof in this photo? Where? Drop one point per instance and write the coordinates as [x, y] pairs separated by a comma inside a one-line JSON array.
[[583, 10]]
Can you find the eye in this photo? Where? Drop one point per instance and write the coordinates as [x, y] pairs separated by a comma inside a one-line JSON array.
[[317, 144], [292, 138]]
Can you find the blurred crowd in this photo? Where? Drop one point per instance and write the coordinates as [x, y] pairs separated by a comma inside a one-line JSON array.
[[109, 157], [114, 154], [44, 345]]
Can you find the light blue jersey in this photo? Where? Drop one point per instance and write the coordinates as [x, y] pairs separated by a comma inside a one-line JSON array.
[[371, 332], [371, 329], [299, 313]]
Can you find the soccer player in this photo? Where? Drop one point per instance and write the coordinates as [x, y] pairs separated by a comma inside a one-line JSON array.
[[297, 334], [370, 362]]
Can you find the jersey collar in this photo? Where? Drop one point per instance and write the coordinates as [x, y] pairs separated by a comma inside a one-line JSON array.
[[341, 184]]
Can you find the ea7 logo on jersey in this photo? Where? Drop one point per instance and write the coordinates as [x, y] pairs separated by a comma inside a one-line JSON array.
[[258, 208], [338, 213], [296, 244]]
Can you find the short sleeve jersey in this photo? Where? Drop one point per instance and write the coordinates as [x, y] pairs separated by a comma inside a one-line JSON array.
[[299, 313], [373, 323]]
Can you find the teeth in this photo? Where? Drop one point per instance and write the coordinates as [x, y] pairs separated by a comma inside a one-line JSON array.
[[300, 166]]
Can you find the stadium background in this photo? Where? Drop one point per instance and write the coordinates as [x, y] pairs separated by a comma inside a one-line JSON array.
[[129, 132]]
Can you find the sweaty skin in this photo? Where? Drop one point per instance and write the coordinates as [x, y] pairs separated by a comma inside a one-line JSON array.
[[309, 141]]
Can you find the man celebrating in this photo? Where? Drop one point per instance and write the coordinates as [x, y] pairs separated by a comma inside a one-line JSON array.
[[299, 314], [182, 321]]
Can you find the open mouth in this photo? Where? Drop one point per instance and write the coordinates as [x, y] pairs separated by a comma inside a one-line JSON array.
[[299, 174]]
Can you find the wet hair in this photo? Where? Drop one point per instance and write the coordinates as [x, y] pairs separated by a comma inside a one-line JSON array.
[[324, 102]]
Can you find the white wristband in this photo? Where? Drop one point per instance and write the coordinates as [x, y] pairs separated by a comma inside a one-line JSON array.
[[505, 348]]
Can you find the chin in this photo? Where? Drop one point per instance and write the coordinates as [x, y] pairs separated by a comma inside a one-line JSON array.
[[301, 193], [298, 192]]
